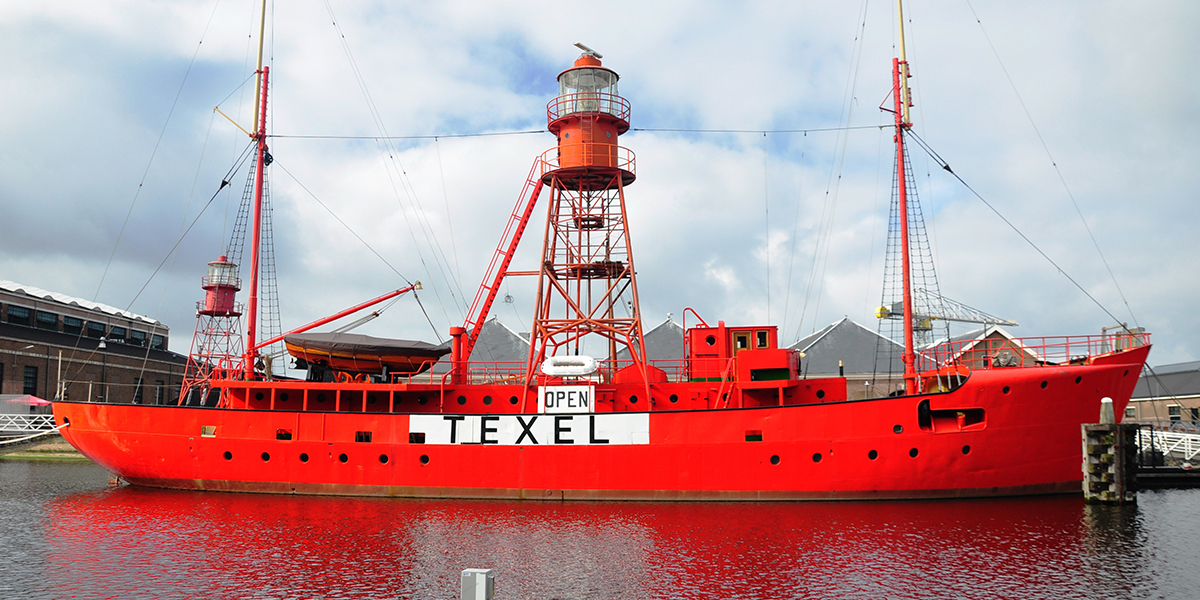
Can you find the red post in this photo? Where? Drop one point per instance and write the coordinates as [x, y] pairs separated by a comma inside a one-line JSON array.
[[909, 356], [260, 167]]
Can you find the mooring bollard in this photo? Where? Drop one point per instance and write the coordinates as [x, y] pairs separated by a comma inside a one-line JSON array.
[[1109, 460], [478, 584]]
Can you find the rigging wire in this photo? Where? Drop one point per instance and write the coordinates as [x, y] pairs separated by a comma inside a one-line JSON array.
[[381, 138], [1053, 162], [832, 185], [934, 155], [359, 238], [391, 152], [153, 153]]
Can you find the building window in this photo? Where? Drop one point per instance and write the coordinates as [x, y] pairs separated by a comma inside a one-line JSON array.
[[18, 315], [30, 381], [137, 390], [1130, 412], [47, 320], [1175, 412], [158, 391], [158, 342], [137, 338], [116, 334], [1195, 414], [72, 325], [95, 330]]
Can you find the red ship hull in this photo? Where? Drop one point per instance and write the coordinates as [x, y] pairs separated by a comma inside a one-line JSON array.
[[1028, 441]]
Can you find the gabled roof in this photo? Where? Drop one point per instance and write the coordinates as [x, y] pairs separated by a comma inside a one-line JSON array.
[[662, 343], [39, 293], [498, 343], [1181, 379], [966, 342], [860, 350]]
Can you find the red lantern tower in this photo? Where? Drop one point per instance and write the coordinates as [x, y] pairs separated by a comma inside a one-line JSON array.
[[587, 284], [217, 343]]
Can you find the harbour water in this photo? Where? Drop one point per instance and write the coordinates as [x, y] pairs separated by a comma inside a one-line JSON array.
[[67, 534]]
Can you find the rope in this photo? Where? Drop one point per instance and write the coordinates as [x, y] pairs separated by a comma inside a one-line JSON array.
[[946, 166], [34, 436]]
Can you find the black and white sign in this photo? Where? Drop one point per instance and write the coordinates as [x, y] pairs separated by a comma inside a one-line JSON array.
[[566, 399], [533, 430]]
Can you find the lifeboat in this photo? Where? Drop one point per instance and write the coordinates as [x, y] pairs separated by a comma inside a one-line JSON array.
[[357, 353]]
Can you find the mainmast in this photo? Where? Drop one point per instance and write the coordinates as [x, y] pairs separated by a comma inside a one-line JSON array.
[[903, 101]]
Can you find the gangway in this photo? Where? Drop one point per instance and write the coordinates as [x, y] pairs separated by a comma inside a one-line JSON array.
[[1176, 443], [22, 424]]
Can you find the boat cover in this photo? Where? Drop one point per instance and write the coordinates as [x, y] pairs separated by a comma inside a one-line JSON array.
[[356, 343]]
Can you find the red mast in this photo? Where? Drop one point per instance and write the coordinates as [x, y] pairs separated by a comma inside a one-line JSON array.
[[903, 101], [260, 134]]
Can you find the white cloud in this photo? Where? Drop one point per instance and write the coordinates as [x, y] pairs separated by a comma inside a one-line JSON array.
[[85, 105]]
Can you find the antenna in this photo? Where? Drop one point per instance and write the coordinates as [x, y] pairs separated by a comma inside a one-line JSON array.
[[588, 51]]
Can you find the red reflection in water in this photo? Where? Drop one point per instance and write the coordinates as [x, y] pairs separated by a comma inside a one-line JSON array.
[[126, 541]]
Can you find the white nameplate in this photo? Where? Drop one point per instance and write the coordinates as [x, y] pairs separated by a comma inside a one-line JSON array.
[[566, 399], [533, 430]]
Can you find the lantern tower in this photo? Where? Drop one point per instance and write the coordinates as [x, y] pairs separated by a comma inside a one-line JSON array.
[[587, 284], [217, 344]]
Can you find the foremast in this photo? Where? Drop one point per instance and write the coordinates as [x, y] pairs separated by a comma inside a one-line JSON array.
[[259, 134], [903, 100]]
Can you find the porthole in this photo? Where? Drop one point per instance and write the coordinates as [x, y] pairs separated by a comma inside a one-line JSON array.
[[898, 429], [66, 421], [633, 399], [422, 400], [383, 459], [303, 457], [608, 134], [913, 452], [710, 340], [343, 458], [370, 398], [774, 459], [424, 459], [820, 394], [1044, 384], [512, 400], [266, 456], [228, 455], [487, 400], [1126, 373], [1005, 390], [817, 457], [283, 397], [258, 396], [872, 455], [674, 398], [321, 397], [462, 400], [966, 449]]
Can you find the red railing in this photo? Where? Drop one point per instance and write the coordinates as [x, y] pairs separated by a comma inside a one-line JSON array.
[[1025, 352], [603, 155], [585, 102]]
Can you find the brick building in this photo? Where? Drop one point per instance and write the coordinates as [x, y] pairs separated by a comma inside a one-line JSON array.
[[54, 346]]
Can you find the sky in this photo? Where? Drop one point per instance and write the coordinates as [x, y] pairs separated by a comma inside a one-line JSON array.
[[1073, 119]]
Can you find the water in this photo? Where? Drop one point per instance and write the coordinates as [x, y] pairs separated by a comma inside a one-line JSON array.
[[64, 533]]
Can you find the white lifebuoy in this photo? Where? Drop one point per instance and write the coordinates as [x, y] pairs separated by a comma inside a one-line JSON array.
[[569, 366]]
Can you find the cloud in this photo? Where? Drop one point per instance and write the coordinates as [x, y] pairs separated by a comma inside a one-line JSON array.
[[87, 103]]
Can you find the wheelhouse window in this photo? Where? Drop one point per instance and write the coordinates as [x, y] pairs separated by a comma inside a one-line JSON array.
[[18, 315], [95, 330], [72, 325], [47, 320]]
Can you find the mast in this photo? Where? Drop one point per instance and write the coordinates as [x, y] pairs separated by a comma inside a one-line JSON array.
[[903, 101], [260, 135]]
